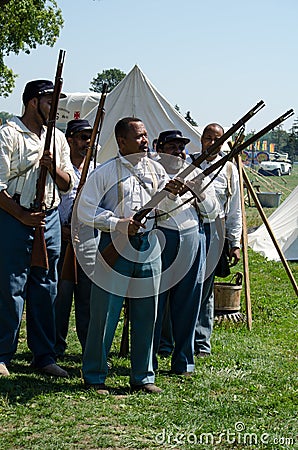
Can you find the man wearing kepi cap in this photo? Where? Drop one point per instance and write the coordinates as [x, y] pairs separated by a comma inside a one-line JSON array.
[[78, 134], [22, 141], [183, 255]]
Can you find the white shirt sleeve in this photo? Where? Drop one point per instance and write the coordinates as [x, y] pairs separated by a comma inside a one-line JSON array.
[[234, 213]]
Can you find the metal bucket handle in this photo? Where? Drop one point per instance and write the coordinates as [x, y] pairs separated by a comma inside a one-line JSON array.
[[238, 276]]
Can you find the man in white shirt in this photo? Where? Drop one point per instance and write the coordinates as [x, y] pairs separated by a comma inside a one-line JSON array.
[[22, 141], [227, 226], [77, 289], [113, 193], [184, 253]]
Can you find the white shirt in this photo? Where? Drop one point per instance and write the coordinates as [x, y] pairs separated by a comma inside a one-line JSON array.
[[20, 152], [66, 205], [186, 216], [104, 200], [230, 206]]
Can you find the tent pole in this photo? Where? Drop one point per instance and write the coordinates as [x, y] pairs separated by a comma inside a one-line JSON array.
[[244, 246], [269, 229]]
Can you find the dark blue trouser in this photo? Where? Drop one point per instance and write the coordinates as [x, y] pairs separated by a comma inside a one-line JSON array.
[[67, 291], [35, 285], [184, 296]]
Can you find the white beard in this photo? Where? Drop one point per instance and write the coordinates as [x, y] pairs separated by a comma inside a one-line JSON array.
[[172, 164]]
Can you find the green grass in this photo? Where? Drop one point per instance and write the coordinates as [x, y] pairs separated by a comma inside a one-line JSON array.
[[243, 397], [249, 381]]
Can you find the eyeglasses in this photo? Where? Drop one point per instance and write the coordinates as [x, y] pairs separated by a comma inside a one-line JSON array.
[[174, 145], [84, 137]]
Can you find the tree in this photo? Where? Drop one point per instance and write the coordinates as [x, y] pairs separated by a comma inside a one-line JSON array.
[[4, 116], [190, 119], [24, 24], [111, 76], [292, 145]]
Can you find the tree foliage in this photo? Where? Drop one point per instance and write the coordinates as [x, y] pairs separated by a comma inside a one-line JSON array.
[[111, 76], [24, 24], [284, 142], [190, 119], [4, 116]]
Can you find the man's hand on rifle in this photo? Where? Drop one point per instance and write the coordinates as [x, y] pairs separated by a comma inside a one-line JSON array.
[[175, 186], [62, 179], [32, 219], [129, 226], [47, 161], [234, 256]]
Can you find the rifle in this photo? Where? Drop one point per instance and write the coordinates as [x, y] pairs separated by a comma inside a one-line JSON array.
[[109, 253], [69, 268], [39, 256], [243, 145]]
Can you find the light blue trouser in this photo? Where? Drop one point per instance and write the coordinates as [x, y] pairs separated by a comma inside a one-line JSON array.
[[105, 309], [166, 343], [184, 297], [35, 285], [67, 291]]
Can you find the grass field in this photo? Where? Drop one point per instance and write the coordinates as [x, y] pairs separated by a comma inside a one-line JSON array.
[[243, 397]]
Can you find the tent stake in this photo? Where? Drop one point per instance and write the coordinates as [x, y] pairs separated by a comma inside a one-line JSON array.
[[244, 246]]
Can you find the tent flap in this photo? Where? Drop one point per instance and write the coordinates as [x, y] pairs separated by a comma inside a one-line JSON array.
[[284, 224]]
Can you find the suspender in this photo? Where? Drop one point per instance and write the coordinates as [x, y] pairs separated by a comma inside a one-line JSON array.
[[119, 164]]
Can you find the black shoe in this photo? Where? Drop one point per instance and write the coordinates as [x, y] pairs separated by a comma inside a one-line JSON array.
[[148, 388], [55, 370]]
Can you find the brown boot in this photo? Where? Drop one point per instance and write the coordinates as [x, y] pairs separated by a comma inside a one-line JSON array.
[[100, 388], [148, 388]]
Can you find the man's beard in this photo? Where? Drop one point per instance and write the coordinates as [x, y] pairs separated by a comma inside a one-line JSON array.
[[171, 163]]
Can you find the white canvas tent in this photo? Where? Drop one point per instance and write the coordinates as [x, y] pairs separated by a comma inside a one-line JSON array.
[[75, 106], [133, 96], [284, 224]]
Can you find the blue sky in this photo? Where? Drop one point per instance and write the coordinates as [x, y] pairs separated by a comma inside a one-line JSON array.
[[215, 59]]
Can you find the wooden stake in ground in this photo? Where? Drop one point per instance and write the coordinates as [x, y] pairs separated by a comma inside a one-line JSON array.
[[244, 246], [269, 229]]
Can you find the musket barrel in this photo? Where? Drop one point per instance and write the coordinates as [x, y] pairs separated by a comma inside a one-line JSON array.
[[69, 270], [251, 140], [39, 251]]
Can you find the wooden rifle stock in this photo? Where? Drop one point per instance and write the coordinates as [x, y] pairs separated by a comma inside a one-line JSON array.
[[69, 267], [39, 256], [109, 253]]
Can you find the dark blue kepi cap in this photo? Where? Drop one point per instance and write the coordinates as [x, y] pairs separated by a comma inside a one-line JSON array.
[[75, 126], [171, 135], [37, 88]]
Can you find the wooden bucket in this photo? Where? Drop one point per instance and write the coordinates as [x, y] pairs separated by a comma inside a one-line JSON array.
[[227, 296]]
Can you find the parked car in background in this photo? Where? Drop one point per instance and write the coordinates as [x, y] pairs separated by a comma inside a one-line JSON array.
[[278, 166]]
